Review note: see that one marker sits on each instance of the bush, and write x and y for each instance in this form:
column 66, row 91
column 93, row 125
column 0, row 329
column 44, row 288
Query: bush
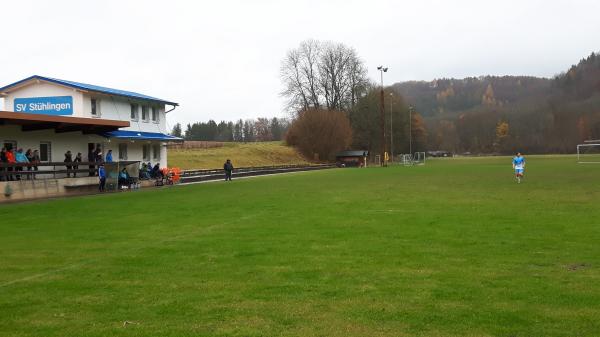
column 320, row 134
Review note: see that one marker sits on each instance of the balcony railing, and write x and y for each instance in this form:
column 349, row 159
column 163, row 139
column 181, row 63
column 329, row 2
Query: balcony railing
column 51, row 170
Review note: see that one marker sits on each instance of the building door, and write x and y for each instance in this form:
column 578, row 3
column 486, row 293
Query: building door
column 91, row 148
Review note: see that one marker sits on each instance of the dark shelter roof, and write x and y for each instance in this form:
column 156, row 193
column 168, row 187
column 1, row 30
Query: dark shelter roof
column 353, row 153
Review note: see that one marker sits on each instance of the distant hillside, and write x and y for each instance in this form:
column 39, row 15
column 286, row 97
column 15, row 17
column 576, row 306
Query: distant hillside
column 458, row 95
column 504, row 114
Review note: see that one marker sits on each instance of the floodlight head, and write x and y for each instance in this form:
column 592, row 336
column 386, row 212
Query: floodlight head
column 385, row 70
column 379, row 68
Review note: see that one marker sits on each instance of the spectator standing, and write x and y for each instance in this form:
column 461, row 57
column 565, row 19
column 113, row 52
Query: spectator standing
column 102, row 177
column 29, row 155
column 68, row 160
column 77, row 160
column 22, row 160
column 109, row 158
column 98, row 155
column 10, row 159
column 91, row 158
column 228, row 167
column 3, row 161
column 35, row 159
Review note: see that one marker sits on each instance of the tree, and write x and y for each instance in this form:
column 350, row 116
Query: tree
column 224, row 131
column 176, row 130
column 320, row 133
column 418, row 133
column 238, row 131
column 262, row 130
column 365, row 118
column 276, row 129
column 322, row 74
column 248, row 130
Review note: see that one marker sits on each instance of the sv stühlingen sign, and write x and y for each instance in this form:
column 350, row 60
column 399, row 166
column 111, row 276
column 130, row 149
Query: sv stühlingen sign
column 57, row 105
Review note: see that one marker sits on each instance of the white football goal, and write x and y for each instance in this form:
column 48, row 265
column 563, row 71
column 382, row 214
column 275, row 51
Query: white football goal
column 419, row 158
column 588, row 153
column 406, row 159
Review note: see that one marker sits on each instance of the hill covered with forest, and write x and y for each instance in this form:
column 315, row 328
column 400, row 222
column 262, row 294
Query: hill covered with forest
column 503, row 114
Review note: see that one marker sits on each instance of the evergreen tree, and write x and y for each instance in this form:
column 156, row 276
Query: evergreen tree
column 176, row 130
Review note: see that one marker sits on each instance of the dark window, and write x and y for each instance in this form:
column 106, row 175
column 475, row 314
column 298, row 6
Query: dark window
column 146, row 152
column 154, row 114
column 94, row 104
column 134, row 112
column 144, row 113
column 45, row 151
column 156, row 151
column 123, row 151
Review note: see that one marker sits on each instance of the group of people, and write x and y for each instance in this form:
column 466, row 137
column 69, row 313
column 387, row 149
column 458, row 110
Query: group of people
column 26, row 159
column 95, row 156
column 147, row 171
column 69, row 159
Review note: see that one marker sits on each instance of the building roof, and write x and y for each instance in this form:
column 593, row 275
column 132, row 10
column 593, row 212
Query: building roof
column 139, row 135
column 34, row 122
column 353, row 153
column 88, row 87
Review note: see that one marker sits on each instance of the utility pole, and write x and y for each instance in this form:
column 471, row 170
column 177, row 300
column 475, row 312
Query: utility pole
column 392, row 126
column 410, row 109
column 382, row 70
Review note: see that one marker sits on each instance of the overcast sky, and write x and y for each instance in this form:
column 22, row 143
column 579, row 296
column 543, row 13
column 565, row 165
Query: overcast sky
column 220, row 59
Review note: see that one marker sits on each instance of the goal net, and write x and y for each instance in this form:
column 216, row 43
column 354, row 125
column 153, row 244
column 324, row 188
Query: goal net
column 419, row 158
column 588, row 153
column 377, row 160
column 406, row 159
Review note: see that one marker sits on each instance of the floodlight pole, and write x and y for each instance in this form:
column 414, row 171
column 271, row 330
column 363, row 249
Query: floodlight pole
column 382, row 70
column 392, row 126
column 410, row 109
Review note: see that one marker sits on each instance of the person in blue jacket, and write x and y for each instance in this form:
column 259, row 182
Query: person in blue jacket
column 20, row 158
column 102, row 177
column 109, row 156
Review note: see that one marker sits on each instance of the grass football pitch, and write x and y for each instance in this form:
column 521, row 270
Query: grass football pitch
column 452, row 248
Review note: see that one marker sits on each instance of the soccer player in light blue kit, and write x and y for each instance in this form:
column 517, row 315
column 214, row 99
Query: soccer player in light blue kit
column 518, row 164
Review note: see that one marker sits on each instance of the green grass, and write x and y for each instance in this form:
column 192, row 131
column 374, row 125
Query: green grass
column 452, row 248
column 241, row 154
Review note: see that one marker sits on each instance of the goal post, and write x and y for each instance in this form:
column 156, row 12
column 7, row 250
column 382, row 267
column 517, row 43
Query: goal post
column 588, row 153
column 419, row 158
column 406, row 159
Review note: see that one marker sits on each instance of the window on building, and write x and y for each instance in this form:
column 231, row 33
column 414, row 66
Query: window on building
column 134, row 112
column 146, row 152
column 145, row 116
column 10, row 145
column 45, row 151
column 156, row 152
column 95, row 107
column 155, row 114
column 123, row 151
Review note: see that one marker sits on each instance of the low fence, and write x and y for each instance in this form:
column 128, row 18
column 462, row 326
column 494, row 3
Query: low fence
column 194, row 144
column 190, row 176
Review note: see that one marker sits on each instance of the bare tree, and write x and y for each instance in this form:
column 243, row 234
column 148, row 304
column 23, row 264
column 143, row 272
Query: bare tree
column 322, row 74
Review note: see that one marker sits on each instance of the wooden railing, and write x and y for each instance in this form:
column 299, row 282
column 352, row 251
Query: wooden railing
column 52, row 170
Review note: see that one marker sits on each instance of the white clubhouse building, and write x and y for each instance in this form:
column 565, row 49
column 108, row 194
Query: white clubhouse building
column 54, row 116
